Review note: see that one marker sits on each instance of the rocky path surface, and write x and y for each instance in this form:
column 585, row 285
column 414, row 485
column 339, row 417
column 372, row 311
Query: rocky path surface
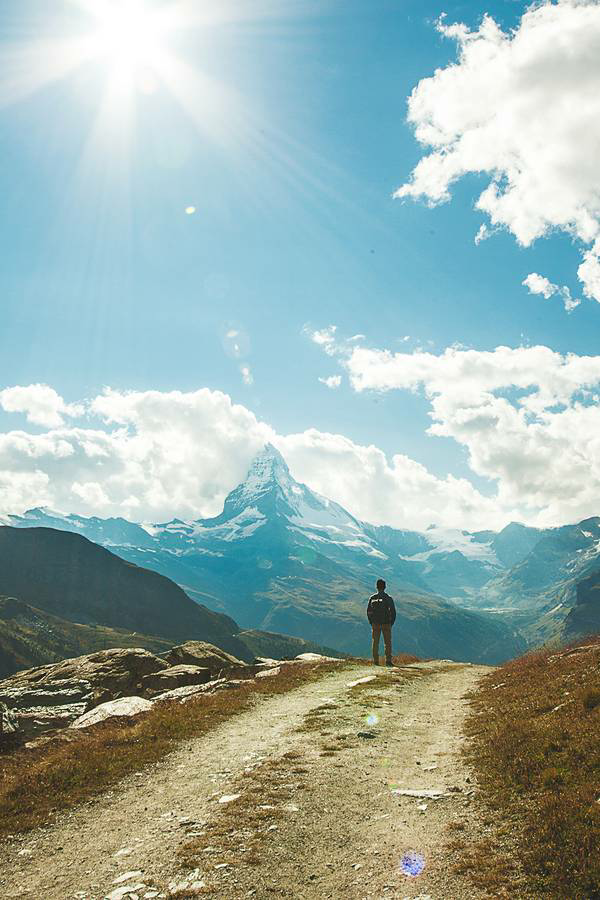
column 299, row 797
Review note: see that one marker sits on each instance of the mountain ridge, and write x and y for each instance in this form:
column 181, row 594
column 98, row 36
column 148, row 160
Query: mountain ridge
column 281, row 557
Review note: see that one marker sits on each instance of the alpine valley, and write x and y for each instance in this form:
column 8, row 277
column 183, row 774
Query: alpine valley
column 282, row 558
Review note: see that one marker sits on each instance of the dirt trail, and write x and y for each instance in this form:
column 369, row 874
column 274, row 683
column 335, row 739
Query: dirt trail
column 332, row 826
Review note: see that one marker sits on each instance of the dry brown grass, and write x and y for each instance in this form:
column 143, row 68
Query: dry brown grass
column 36, row 783
column 534, row 742
column 239, row 833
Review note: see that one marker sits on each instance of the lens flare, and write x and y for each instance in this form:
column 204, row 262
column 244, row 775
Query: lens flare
column 412, row 863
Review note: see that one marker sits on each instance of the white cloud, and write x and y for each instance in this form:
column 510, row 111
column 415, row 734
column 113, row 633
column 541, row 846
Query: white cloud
column 332, row 381
column 529, row 418
column 157, row 455
column 325, row 338
column 400, row 492
column 152, row 455
column 40, row 403
column 539, row 284
column 524, row 108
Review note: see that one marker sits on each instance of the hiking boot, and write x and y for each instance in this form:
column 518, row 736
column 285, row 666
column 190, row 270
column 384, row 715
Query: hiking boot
column 388, row 662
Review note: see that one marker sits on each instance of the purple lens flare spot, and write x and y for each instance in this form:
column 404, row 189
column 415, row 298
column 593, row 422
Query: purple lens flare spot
column 412, row 863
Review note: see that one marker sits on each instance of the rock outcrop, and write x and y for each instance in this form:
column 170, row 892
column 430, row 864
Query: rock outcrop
column 8, row 721
column 201, row 653
column 317, row 657
column 174, row 677
column 124, row 707
column 53, row 696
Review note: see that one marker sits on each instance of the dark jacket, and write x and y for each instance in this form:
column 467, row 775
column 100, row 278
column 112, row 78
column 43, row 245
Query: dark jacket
column 381, row 609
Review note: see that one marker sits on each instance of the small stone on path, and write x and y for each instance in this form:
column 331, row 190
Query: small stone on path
column 364, row 680
column 127, row 876
column 229, row 798
column 121, row 892
column 432, row 795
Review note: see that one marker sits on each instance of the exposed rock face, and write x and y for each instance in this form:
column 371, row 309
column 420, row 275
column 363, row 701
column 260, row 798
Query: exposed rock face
column 110, row 673
column 267, row 673
column 584, row 617
column 68, row 576
column 201, row 653
column 183, row 694
column 54, row 695
column 125, row 706
column 8, row 720
column 174, row 677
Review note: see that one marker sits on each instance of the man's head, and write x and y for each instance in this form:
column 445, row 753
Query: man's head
column 380, row 584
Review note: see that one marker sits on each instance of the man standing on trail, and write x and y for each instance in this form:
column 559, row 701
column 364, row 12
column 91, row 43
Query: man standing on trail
column 381, row 614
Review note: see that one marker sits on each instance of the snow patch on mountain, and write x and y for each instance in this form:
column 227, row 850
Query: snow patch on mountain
column 449, row 540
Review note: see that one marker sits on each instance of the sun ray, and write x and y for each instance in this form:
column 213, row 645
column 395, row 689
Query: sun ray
column 29, row 66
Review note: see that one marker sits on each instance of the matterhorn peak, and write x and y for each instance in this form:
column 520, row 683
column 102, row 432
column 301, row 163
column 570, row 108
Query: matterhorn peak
column 268, row 465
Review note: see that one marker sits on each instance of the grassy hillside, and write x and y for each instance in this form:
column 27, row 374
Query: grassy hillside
column 535, row 747
column 31, row 637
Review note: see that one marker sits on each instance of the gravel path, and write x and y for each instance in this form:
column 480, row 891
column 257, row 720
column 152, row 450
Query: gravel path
column 332, row 827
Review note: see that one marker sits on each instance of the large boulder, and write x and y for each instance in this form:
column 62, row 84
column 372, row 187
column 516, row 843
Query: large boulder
column 174, row 677
column 123, row 707
column 200, row 653
column 52, row 696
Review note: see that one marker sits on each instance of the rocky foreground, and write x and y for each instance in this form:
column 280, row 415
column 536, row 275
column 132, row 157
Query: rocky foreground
column 85, row 690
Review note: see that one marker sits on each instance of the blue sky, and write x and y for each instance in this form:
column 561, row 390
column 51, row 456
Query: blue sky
column 107, row 281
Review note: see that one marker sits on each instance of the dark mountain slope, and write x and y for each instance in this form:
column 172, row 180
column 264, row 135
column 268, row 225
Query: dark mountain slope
column 584, row 617
column 69, row 576
column 32, row 637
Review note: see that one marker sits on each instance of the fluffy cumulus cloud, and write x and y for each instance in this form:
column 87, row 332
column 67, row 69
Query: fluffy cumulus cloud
column 40, row 404
column 529, row 418
column 150, row 456
column 524, row 108
column 146, row 455
column 399, row 492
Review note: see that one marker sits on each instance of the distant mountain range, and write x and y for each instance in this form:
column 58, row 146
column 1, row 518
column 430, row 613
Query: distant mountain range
column 282, row 558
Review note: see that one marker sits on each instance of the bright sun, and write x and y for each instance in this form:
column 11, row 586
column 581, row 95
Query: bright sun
column 128, row 35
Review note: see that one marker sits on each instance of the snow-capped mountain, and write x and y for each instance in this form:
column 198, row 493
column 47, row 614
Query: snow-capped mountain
column 281, row 556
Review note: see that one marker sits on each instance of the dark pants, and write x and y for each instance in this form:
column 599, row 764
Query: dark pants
column 387, row 641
